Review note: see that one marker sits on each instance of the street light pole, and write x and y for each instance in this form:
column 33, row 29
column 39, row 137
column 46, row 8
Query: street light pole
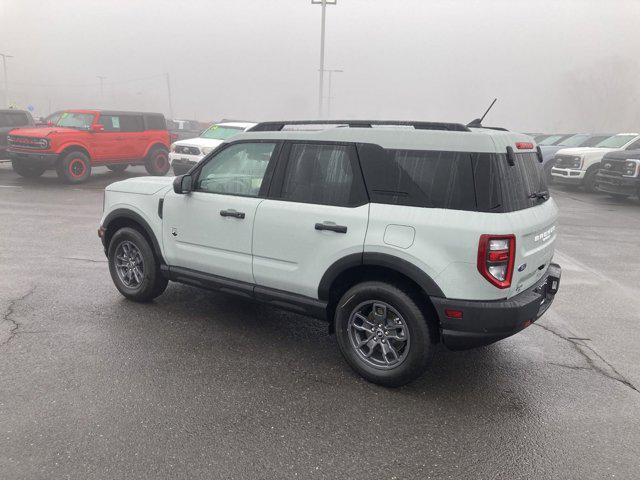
column 101, row 78
column 324, row 4
column 169, row 95
column 330, row 71
column 6, row 82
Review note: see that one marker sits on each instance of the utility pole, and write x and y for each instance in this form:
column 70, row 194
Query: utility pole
column 324, row 4
column 330, row 71
column 169, row 94
column 101, row 78
column 6, row 82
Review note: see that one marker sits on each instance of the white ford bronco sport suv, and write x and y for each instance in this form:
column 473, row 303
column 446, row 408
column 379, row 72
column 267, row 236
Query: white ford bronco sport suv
column 400, row 234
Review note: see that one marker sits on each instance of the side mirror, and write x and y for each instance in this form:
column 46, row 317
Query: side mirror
column 96, row 127
column 183, row 184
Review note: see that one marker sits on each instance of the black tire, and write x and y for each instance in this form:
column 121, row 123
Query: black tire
column 118, row 167
column 27, row 171
column 152, row 282
column 157, row 162
column 419, row 347
column 74, row 167
column 589, row 181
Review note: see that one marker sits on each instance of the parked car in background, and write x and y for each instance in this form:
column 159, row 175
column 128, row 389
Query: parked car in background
column 383, row 232
column 186, row 153
column 577, row 140
column 555, row 139
column 579, row 166
column 82, row 139
column 619, row 173
column 10, row 119
column 181, row 129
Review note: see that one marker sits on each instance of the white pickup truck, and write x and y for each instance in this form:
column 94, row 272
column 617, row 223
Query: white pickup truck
column 579, row 166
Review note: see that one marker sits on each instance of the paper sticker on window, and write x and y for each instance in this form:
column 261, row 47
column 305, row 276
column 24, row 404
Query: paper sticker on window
column 115, row 122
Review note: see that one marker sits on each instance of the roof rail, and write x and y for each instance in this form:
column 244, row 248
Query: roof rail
column 277, row 126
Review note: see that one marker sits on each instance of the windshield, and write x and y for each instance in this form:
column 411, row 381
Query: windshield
column 217, row 132
column 594, row 140
column 550, row 140
column 75, row 120
column 617, row 141
column 574, row 141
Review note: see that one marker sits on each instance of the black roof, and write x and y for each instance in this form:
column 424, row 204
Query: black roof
column 276, row 126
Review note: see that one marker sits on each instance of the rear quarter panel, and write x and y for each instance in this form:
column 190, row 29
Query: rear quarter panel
column 445, row 244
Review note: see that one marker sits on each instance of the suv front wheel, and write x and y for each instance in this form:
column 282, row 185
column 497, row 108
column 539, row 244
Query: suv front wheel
column 133, row 266
column 383, row 334
column 74, row 167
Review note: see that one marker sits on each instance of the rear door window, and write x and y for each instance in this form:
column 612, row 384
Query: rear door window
column 111, row 123
column 323, row 174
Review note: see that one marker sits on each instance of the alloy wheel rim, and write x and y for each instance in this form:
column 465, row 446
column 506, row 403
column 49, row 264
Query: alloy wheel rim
column 161, row 161
column 379, row 335
column 129, row 264
column 76, row 168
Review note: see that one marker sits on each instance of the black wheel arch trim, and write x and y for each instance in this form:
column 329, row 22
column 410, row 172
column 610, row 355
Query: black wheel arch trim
column 377, row 259
column 137, row 218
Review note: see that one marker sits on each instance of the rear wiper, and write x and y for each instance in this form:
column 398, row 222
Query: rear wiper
column 541, row 195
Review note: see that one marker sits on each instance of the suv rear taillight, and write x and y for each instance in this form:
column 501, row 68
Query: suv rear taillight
column 496, row 255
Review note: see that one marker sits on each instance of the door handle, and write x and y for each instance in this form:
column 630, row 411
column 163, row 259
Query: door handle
column 231, row 213
column 332, row 227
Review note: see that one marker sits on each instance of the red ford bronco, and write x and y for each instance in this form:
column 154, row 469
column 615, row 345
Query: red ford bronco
column 81, row 139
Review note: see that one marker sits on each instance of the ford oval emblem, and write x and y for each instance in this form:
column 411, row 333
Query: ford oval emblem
column 522, row 267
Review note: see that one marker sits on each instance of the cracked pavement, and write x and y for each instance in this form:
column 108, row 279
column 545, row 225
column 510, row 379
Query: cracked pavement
column 202, row 385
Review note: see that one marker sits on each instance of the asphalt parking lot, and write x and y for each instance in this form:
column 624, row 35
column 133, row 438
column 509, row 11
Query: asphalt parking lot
column 202, row 385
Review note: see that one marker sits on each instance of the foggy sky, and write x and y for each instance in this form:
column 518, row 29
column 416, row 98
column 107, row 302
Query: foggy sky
column 555, row 65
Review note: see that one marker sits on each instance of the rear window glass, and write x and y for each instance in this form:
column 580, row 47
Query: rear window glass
column 421, row 178
column 507, row 188
column 454, row 180
column 156, row 122
column 131, row 123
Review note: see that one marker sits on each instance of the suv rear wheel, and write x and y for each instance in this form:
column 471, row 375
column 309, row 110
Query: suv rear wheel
column 74, row 167
column 157, row 162
column 383, row 334
column 27, row 171
column 133, row 266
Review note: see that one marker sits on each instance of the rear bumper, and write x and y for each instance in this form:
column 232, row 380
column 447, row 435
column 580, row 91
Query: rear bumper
column 568, row 176
column 617, row 184
column 33, row 158
column 484, row 323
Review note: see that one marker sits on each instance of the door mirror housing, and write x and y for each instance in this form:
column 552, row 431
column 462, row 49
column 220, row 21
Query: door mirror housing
column 183, row 184
column 96, row 127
